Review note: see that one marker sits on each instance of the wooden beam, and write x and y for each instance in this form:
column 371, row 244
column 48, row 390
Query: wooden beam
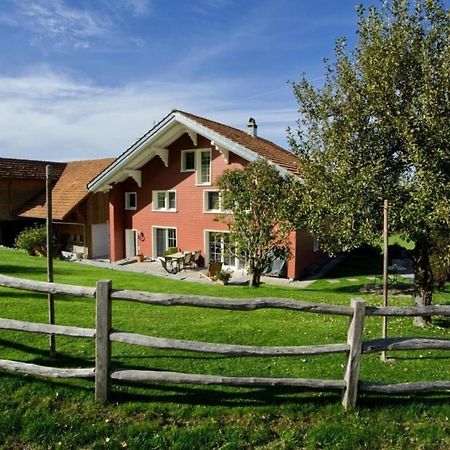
column 51, row 298
column 225, row 349
column 102, row 342
column 50, row 372
column 355, row 340
column 43, row 328
column 186, row 378
column 228, row 303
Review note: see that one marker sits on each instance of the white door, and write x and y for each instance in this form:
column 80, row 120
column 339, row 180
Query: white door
column 100, row 240
column 130, row 243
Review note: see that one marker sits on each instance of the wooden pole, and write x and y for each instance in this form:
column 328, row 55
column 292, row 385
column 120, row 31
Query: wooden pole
column 355, row 340
column 51, row 298
column 102, row 340
column 385, row 273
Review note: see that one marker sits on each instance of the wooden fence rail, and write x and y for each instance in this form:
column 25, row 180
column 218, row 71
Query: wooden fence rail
column 104, row 335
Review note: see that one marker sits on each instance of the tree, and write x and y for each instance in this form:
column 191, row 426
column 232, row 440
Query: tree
column 260, row 203
column 379, row 128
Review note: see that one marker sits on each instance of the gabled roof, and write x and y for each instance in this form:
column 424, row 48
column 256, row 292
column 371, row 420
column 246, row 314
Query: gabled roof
column 176, row 124
column 27, row 169
column 264, row 148
column 69, row 190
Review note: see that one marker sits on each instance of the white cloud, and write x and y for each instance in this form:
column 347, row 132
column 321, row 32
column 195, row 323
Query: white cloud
column 51, row 116
column 57, row 24
column 138, row 7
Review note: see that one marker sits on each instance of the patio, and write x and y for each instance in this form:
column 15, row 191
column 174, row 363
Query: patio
column 239, row 277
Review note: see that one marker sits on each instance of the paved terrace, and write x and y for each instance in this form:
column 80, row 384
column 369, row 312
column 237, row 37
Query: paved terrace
column 239, row 277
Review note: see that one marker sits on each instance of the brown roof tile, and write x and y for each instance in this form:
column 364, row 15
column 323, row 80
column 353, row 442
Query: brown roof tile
column 28, row 169
column 262, row 147
column 68, row 191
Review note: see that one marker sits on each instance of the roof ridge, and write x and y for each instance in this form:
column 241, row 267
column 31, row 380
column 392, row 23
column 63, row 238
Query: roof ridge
column 90, row 160
column 233, row 128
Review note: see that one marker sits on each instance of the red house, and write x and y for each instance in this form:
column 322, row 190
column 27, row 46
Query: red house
column 162, row 189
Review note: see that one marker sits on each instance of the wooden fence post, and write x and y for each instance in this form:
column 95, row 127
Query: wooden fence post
column 355, row 340
column 102, row 341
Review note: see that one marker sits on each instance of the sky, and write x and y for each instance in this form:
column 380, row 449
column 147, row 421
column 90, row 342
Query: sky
column 82, row 79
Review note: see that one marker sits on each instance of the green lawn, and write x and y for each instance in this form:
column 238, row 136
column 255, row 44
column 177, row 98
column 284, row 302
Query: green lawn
column 38, row 413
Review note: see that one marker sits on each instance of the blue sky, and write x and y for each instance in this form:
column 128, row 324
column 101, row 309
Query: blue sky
column 84, row 78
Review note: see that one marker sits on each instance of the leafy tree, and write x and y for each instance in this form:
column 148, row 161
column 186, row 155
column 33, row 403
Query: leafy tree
column 262, row 203
column 379, row 128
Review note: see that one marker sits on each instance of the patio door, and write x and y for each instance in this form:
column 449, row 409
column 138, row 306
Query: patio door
column 220, row 249
column 163, row 238
column 130, row 243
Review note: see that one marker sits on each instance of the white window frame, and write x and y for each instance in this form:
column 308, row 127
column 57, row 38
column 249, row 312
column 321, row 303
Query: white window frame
column 154, row 243
column 198, row 166
column 238, row 264
column 205, row 202
column 166, row 201
column 183, row 160
column 127, row 201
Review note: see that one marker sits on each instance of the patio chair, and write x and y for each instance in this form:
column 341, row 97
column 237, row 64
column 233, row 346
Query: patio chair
column 214, row 270
column 193, row 261
column 187, row 260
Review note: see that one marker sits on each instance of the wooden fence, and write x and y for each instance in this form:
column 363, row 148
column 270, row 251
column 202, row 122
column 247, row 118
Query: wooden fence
column 103, row 334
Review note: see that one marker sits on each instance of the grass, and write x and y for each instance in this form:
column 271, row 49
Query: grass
column 38, row 413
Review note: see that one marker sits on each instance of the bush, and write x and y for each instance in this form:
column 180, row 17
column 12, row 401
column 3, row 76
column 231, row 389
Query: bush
column 33, row 240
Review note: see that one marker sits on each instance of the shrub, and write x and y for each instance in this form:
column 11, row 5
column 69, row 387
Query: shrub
column 33, row 240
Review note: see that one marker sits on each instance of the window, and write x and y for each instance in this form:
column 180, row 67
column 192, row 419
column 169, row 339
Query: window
column 163, row 239
column 130, row 200
column 220, row 249
column 212, row 201
column 164, row 201
column 198, row 161
column 204, row 167
column 171, row 237
column 188, row 160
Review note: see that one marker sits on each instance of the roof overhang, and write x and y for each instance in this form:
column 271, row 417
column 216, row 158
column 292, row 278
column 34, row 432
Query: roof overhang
column 155, row 143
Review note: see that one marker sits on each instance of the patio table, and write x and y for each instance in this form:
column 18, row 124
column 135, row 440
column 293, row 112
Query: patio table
column 173, row 262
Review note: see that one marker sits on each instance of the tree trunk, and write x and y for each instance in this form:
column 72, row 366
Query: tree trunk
column 423, row 280
column 255, row 278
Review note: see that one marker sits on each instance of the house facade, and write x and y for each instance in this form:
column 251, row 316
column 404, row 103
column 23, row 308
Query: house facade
column 80, row 218
column 162, row 190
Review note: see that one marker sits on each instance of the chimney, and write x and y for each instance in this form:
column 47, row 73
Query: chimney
column 252, row 127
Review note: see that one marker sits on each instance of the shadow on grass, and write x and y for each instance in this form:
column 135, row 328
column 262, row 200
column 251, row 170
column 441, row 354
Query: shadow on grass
column 61, row 360
column 377, row 401
column 21, row 271
column 15, row 294
column 233, row 397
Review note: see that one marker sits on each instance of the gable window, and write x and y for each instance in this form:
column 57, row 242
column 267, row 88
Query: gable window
column 203, row 166
column 164, row 201
column 188, row 160
column 212, row 201
column 130, row 200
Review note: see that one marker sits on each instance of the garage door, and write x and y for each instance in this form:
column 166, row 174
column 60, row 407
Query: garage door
column 100, row 240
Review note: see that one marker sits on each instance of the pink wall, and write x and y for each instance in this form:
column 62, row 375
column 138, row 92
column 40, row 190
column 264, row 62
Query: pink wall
column 189, row 220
